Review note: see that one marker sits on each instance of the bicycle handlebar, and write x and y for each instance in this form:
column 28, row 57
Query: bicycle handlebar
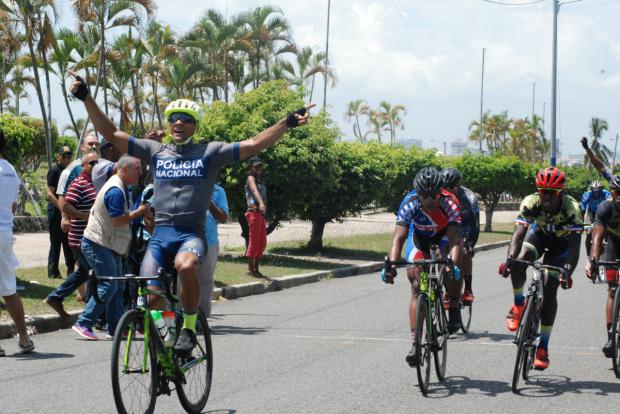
column 164, row 277
column 401, row 262
column 540, row 266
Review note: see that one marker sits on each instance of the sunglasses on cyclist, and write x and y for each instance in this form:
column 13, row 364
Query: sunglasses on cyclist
column 430, row 196
column 180, row 116
column 551, row 191
column 92, row 163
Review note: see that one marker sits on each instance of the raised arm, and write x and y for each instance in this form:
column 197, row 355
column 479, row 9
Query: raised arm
column 101, row 122
column 270, row 136
column 596, row 163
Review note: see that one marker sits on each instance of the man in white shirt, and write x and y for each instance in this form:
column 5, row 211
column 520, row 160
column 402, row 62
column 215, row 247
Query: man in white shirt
column 9, row 182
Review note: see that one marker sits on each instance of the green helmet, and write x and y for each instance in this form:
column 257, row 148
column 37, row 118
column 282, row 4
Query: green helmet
column 185, row 106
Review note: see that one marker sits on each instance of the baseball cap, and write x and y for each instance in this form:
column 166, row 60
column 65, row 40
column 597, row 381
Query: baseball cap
column 254, row 161
column 65, row 150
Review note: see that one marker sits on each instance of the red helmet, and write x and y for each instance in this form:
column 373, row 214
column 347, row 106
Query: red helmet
column 551, row 178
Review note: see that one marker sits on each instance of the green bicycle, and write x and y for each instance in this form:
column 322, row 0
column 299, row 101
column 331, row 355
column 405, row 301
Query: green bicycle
column 144, row 365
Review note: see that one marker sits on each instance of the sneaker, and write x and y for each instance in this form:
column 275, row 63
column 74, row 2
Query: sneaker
column 109, row 337
column 514, row 317
column 454, row 320
column 468, row 296
column 84, row 332
column 608, row 349
column 2, row 353
column 57, row 305
column 26, row 349
column 446, row 301
column 412, row 357
column 541, row 362
column 186, row 342
column 99, row 327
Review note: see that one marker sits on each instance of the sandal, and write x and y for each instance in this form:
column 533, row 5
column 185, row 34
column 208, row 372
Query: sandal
column 25, row 349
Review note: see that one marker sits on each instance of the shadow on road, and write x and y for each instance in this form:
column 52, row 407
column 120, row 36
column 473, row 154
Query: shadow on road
column 465, row 385
column 482, row 335
column 225, row 411
column 236, row 330
column 554, row 385
column 40, row 356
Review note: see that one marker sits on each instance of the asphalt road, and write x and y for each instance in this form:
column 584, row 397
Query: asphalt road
column 338, row 347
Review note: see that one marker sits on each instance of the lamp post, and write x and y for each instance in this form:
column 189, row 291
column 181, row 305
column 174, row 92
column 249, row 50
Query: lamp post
column 329, row 3
column 481, row 101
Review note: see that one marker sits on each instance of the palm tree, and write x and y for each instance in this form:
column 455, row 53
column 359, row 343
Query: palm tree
column 393, row 117
column 269, row 33
column 475, row 130
column 108, row 15
column 597, row 127
column 159, row 45
column 378, row 121
column 61, row 57
column 19, row 81
column 177, row 75
column 354, row 111
column 309, row 64
column 24, row 13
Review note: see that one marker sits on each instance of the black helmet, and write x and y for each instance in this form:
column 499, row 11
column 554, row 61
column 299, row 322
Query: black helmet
column 614, row 184
column 451, row 177
column 428, row 181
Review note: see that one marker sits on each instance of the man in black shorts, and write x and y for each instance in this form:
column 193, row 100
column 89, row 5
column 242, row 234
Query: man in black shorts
column 607, row 221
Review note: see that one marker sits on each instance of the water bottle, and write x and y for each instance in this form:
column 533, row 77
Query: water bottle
column 160, row 324
column 424, row 282
column 169, row 319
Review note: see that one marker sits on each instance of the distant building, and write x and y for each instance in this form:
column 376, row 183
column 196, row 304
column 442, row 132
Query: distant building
column 409, row 142
column 458, row 147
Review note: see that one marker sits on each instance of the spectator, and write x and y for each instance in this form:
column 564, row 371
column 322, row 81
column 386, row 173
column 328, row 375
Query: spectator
column 218, row 213
column 79, row 199
column 106, row 166
column 58, row 238
column 256, row 196
column 106, row 240
column 9, row 182
column 89, row 144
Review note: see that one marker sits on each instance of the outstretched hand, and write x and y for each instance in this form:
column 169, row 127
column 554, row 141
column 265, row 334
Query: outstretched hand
column 78, row 87
column 299, row 117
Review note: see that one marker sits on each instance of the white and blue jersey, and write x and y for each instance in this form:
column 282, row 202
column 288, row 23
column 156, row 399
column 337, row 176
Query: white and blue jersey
column 591, row 200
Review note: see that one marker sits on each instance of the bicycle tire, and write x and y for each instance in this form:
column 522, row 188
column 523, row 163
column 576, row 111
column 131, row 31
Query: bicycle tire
column 615, row 331
column 440, row 340
column 423, row 343
column 466, row 308
column 194, row 391
column 528, row 360
column 126, row 340
column 523, row 334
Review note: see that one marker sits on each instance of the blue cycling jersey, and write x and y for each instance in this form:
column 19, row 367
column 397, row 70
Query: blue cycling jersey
column 592, row 199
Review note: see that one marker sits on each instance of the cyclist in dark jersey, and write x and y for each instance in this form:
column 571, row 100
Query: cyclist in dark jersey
column 184, row 176
column 470, row 224
column 607, row 223
column 435, row 220
column 590, row 201
column 548, row 223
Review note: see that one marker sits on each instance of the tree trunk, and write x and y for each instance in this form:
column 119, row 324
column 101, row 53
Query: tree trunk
column 316, row 235
column 37, row 82
column 137, row 104
column 156, row 99
column 488, row 212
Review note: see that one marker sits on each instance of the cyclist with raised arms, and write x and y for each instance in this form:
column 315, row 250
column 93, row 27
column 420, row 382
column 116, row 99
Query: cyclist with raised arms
column 590, row 201
column 435, row 220
column 470, row 224
column 184, row 176
column 548, row 223
column 596, row 163
column 607, row 222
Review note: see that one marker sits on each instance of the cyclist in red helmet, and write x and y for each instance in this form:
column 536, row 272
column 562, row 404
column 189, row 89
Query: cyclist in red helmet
column 549, row 223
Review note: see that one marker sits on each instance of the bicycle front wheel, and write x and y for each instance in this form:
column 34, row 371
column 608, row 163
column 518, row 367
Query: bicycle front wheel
column 466, row 310
column 423, row 347
column 523, row 333
column 134, row 366
column 197, row 369
column 615, row 331
column 440, row 340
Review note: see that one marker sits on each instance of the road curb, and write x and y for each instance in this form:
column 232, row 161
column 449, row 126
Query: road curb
column 50, row 322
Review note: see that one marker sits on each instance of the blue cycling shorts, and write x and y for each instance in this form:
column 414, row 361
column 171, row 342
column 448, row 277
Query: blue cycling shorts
column 165, row 243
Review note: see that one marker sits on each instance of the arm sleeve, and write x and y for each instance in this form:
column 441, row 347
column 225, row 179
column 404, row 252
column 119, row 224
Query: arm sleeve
column 73, row 195
column 62, row 181
column 75, row 172
column 584, row 201
column 404, row 214
column 451, row 209
column 225, row 154
column 143, row 148
column 114, row 201
column 525, row 218
column 603, row 214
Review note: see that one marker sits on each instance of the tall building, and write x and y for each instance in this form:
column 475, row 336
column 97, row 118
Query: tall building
column 458, row 147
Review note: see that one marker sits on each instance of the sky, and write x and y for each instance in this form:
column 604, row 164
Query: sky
column 427, row 55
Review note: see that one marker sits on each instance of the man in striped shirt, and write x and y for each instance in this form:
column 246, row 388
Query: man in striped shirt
column 79, row 199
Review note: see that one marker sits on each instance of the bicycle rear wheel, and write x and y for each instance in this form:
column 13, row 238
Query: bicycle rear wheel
column 523, row 333
column 134, row 367
column 466, row 310
column 423, row 345
column 440, row 339
column 198, row 369
column 615, row 330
